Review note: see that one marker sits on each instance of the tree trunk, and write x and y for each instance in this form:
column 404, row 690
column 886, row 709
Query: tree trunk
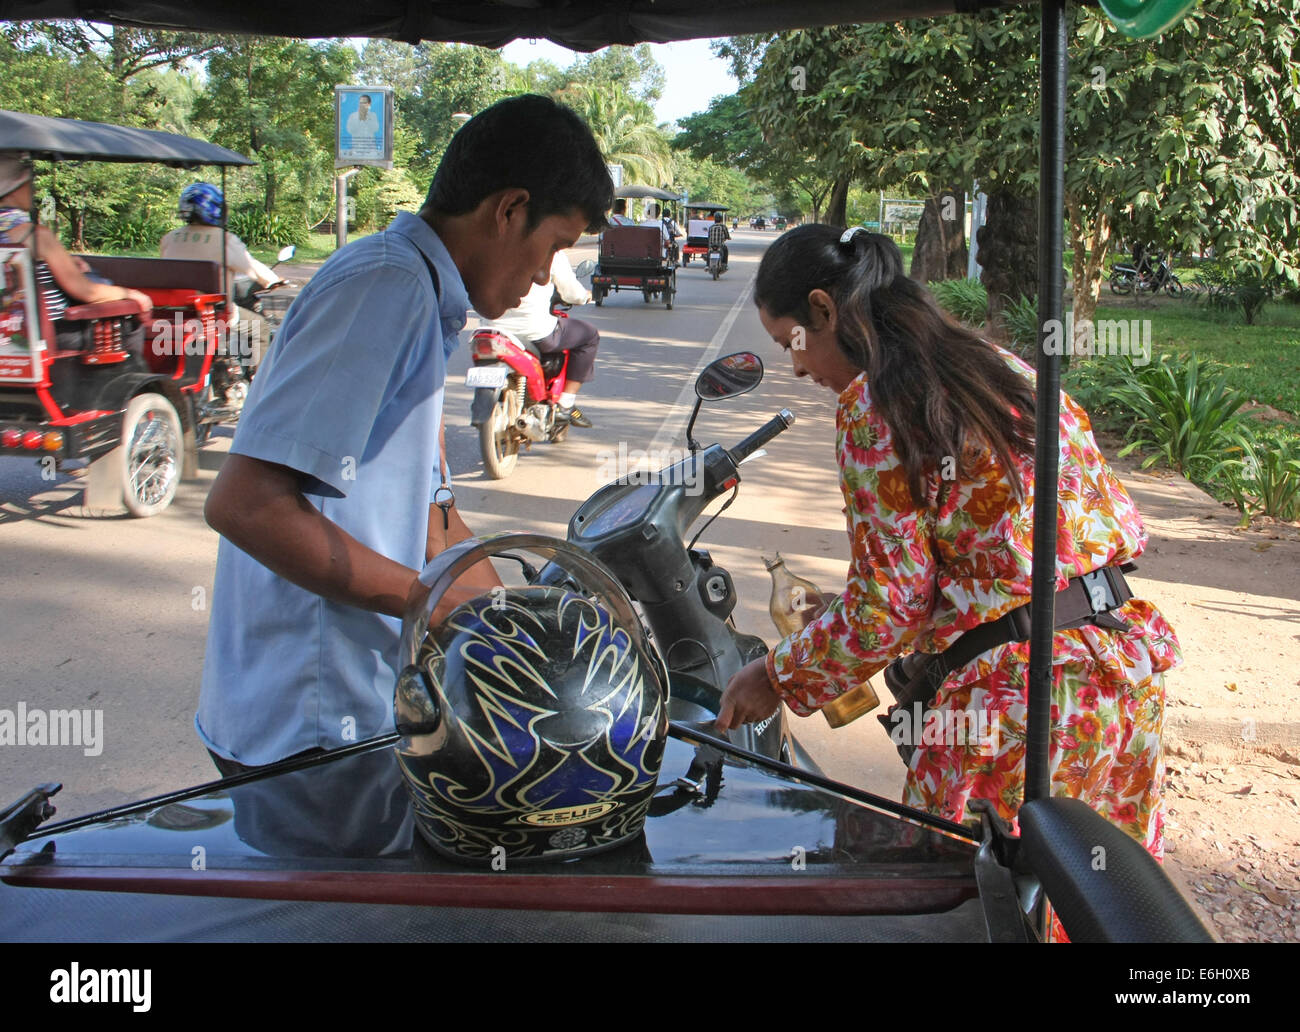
column 837, row 205
column 1008, row 250
column 940, row 251
column 1091, row 244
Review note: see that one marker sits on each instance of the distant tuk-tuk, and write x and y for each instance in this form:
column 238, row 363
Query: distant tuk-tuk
column 637, row 257
column 699, row 217
column 137, row 415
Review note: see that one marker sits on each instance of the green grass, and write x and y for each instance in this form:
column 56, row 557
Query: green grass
column 1262, row 360
column 318, row 247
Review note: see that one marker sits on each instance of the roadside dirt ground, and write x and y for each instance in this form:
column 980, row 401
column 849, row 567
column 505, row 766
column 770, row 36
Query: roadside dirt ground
column 1232, row 726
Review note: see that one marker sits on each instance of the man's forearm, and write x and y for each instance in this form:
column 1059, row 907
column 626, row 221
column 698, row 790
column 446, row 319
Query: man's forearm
column 257, row 507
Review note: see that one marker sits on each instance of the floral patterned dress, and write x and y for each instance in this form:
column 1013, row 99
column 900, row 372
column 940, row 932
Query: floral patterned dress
column 920, row 577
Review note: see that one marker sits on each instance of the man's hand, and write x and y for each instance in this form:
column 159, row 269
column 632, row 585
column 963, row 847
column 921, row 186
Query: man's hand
column 749, row 697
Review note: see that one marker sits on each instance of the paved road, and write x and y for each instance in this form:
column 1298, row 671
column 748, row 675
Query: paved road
column 111, row 613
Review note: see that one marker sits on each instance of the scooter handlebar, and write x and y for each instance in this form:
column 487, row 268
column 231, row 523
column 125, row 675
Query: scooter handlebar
column 779, row 423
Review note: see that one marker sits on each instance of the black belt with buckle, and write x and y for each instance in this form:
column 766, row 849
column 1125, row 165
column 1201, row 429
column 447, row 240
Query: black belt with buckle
column 1086, row 599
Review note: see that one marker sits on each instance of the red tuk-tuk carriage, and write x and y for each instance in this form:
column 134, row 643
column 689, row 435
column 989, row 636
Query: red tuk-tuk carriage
column 137, row 415
column 324, row 832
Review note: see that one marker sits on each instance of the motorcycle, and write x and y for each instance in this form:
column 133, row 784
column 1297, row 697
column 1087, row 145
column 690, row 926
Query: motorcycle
column 271, row 303
column 516, row 392
column 1125, row 278
column 715, row 262
column 232, row 374
column 637, row 527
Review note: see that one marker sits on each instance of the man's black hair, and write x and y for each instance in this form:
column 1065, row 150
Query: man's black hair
column 529, row 143
column 366, row 98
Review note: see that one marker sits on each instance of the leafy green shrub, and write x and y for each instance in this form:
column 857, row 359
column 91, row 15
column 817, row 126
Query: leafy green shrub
column 1020, row 318
column 130, row 231
column 1262, row 474
column 254, row 226
column 965, row 300
column 1187, row 420
column 1230, row 287
column 1093, row 385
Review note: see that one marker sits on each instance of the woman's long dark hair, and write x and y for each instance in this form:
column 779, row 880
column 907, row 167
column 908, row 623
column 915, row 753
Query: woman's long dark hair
column 938, row 386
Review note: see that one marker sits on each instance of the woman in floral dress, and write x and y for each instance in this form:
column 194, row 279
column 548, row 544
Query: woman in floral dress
column 935, row 446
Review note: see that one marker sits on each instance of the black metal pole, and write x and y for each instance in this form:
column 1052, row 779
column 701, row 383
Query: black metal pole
column 270, row 770
column 1053, row 70
column 225, row 285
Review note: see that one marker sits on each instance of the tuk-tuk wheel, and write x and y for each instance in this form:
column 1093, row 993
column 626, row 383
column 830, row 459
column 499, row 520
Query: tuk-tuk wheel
column 151, row 454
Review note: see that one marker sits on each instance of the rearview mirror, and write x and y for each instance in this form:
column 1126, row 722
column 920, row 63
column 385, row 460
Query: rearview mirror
column 730, row 377
column 286, row 253
column 585, row 269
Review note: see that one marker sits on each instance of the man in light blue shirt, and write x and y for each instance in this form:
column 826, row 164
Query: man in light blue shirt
column 325, row 502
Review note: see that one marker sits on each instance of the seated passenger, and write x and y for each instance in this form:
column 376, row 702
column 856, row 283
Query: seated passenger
column 666, row 226
column 60, row 277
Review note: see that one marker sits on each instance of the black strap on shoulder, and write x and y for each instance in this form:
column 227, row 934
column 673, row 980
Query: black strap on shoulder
column 433, row 275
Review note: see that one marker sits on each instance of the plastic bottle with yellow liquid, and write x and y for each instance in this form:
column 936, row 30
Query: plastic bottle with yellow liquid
column 791, row 597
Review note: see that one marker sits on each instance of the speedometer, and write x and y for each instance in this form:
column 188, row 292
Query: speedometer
column 625, row 509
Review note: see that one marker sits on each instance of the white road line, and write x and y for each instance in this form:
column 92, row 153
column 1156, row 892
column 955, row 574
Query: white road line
column 671, row 432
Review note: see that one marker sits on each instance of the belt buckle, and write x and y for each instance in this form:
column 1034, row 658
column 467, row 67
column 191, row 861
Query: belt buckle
column 1100, row 589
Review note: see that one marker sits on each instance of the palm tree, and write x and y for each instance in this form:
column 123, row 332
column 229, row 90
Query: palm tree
column 625, row 129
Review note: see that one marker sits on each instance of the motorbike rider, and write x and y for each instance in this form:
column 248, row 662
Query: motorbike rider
column 718, row 237
column 202, row 206
column 533, row 321
column 936, row 453
column 336, row 490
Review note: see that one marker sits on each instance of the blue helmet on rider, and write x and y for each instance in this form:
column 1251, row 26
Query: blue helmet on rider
column 202, row 202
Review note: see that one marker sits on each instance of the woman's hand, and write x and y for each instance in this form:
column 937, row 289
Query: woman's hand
column 749, row 697
column 143, row 300
column 813, row 610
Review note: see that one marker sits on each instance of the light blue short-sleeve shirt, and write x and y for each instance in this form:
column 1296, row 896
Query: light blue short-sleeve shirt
column 351, row 396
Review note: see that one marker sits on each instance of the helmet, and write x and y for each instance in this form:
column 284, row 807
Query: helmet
column 204, row 202
column 534, row 719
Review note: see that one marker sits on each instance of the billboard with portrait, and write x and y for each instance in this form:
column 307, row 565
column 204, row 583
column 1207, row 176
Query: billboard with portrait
column 363, row 126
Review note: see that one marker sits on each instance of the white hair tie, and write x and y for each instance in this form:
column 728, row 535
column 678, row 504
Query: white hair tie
column 846, row 239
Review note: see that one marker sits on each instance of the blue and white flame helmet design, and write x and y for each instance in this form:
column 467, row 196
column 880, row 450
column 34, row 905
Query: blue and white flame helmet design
column 535, row 718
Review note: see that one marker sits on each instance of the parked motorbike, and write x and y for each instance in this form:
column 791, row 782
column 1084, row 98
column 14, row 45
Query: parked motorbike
column 1125, row 278
column 516, row 392
column 637, row 526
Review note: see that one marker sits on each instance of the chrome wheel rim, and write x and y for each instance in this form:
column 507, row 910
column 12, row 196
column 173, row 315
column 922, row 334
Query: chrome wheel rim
column 151, row 467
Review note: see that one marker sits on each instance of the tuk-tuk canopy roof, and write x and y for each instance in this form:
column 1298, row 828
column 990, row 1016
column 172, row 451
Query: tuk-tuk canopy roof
column 65, row 139
column 577, row 24
column 637, row 190
column 703, row 206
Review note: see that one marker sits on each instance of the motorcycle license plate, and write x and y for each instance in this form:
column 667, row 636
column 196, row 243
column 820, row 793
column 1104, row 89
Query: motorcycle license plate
column 486, row 376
